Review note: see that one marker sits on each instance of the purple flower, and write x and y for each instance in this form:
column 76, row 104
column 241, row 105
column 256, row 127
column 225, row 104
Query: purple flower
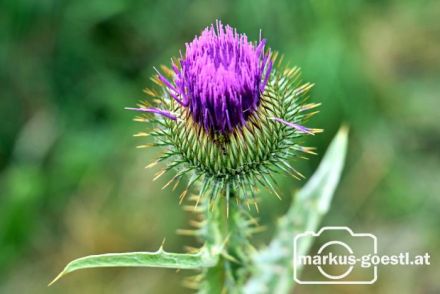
column 220, row 78
column 225, row 116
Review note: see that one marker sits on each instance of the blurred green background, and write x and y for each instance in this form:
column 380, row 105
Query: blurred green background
column 72, row 182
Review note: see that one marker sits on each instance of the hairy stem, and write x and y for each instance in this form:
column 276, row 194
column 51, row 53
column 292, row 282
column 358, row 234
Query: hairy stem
column 231, row 233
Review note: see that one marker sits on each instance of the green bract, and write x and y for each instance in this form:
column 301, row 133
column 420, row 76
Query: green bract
column 247, row 156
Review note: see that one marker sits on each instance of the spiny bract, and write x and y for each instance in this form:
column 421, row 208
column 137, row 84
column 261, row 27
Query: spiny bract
column 228, row 114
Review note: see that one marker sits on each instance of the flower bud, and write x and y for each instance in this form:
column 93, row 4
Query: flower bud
column 229, row 114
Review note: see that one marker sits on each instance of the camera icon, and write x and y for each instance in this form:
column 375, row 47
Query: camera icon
column 343, row 257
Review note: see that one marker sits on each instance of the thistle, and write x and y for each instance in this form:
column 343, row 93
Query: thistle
column 229, row 115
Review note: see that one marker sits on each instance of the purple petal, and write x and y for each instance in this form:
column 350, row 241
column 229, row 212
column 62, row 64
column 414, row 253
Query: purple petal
column 268, row 71
column 171, row 89
column 164, row 113
column 297, row 127
column 221, row 72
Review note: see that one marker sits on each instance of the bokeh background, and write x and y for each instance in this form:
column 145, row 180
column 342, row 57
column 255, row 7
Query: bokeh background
column 72, row 182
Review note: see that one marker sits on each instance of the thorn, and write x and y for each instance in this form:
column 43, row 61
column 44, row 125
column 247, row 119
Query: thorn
column 176, row 184
column 257, row 230
column 168, row 183
column 308, row 150
column 141, row 134
column 140, row 119
column 295, row 176
column 152, row 164
column 197, row 202
column 166, row 70
column 186, row 232
column 191, row 208
column 223, row 245
column 56, row 278
column 309, row 106
column 302, row 89
column 310, row 114
column 229, row 257
column 161, row 245
column 194, row 197
column 158, row 175
column 300, row 174
column 316, row 131
column 182, row 196
column 150, row 92
column 144, row 146
column 196, row 224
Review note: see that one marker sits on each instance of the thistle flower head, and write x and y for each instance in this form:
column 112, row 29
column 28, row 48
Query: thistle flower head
column 220, row 78
column 229, row 114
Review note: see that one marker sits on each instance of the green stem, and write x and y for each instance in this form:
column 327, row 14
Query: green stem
column 231, row 234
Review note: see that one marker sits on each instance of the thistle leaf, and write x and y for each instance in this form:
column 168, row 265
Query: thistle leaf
column 160, row 259
column 273, row 272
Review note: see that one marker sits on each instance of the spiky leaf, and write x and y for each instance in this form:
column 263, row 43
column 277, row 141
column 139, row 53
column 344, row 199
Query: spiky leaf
column 160, row 258
column 273, row 271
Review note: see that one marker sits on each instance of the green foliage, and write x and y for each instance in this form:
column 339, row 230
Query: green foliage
column 160, row 259
column 228, row 262
column 310, row 204
column 67, row 69
column 231, row 234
